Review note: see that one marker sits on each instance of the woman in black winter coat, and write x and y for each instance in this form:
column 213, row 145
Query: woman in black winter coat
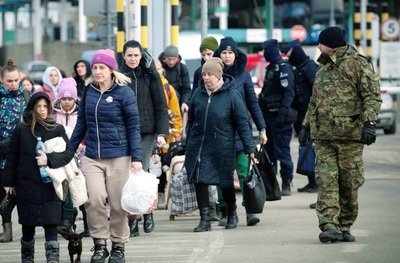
column 216, row 112
column 235, row 62
column 37, row 202
column 153, row 110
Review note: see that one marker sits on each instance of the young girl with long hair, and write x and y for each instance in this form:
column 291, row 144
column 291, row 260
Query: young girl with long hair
column 37, row 202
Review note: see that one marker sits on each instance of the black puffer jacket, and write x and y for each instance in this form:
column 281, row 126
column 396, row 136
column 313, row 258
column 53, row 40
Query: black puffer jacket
column 152, row 105
column 212, row 124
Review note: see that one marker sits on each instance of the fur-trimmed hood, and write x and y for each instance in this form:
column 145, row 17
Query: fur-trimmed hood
column 238, row 66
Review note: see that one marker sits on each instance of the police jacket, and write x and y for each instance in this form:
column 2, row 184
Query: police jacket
column 304, row 76
column 278, row 91
column 151, row 104
column 109, row 122
column 345, row 95
column 212, row 124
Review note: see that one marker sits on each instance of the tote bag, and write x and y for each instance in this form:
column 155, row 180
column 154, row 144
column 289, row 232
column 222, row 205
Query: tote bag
column 268, row 175
column 306, row 161
column 254, row 191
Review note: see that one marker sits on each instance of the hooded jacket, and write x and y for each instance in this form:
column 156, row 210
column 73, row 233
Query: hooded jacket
column 80, row 83
column 37, row 202
column 63, row 117
column 150, row 102
column 182, row 86
column 48, row 88
column 109, row 122
column 212, row 123
column 245, row 86
column 345, row 95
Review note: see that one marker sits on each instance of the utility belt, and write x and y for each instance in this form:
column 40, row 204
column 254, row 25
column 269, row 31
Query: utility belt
column 270, row 103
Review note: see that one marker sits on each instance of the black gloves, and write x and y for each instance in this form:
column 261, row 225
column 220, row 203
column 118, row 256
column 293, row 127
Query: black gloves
column 279, row 121
column 368, row 135
column 303, row 136
column 147, row 63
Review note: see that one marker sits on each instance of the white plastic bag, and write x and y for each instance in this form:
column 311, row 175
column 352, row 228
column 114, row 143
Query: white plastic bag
column 155, row 168
column 140, row 193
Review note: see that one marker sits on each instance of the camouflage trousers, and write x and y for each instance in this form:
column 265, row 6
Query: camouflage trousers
column 339, row 174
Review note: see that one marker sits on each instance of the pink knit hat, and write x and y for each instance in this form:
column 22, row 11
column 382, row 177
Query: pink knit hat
column 105, row 56
column 67, row 89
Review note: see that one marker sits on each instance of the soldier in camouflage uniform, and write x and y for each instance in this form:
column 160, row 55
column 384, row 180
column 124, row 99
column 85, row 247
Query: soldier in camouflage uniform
column 341, row 118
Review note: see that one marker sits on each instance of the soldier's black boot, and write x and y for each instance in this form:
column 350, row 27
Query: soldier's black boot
column 52, row 251
column 117, row 253
column 347, row 237
column 232, row 216
column 27, row 251
column 100, row 251
column 330, row 235
column 286, row 191
column 205, row 223
column 223, row 216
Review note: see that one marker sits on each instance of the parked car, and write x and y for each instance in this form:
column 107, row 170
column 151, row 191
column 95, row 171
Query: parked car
column 387, row 115
column 35, row 70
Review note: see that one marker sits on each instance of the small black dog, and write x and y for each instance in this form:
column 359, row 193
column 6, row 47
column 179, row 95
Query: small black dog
column 74, row 245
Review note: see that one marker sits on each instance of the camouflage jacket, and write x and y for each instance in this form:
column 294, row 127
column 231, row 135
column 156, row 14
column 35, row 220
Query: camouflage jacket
column 345, row 95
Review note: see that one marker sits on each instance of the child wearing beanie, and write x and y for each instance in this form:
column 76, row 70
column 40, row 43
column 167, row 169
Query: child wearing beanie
column 207, row 48
column 65, row 107
column 65, row 112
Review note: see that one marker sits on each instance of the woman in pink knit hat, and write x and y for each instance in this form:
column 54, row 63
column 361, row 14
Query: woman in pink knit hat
column 108, row 120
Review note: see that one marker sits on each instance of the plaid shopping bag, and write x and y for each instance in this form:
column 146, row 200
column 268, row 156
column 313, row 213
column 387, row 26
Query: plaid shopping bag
column 183, row 194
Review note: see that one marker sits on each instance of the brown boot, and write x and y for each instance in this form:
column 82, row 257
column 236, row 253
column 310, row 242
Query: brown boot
column 7, row 235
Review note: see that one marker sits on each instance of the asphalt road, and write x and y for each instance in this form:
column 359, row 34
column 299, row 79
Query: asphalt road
column 288, row 231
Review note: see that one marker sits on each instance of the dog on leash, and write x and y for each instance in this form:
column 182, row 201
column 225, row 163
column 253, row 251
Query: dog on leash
column 74, row 245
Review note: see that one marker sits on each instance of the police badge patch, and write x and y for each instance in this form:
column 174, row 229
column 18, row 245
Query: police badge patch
column 284, row 83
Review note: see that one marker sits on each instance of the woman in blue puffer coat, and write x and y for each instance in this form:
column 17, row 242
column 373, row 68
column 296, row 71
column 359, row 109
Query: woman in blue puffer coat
column 108, row 119
column 216, row 112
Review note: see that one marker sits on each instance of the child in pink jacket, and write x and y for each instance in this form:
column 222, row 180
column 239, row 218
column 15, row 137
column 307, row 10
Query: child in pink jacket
column 66, row 107
column 65, row 112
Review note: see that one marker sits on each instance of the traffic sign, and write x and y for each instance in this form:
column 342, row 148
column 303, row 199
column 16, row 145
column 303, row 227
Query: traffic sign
column 390, row 28
column 298, row 32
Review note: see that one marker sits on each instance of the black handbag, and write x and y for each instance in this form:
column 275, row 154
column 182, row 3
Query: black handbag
column 253, row 191
column 7, row 205
column 268, row 175
column 306, row 161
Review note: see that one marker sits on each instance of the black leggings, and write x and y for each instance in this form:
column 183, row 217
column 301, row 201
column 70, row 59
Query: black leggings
column 202, row 195
column 28, row 232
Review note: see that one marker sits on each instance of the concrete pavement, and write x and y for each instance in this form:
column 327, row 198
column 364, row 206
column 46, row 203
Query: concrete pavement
column 288, row 231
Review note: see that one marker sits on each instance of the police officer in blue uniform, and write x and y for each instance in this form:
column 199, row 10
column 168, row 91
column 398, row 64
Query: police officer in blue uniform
column 275, row 100
column 304, row 76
